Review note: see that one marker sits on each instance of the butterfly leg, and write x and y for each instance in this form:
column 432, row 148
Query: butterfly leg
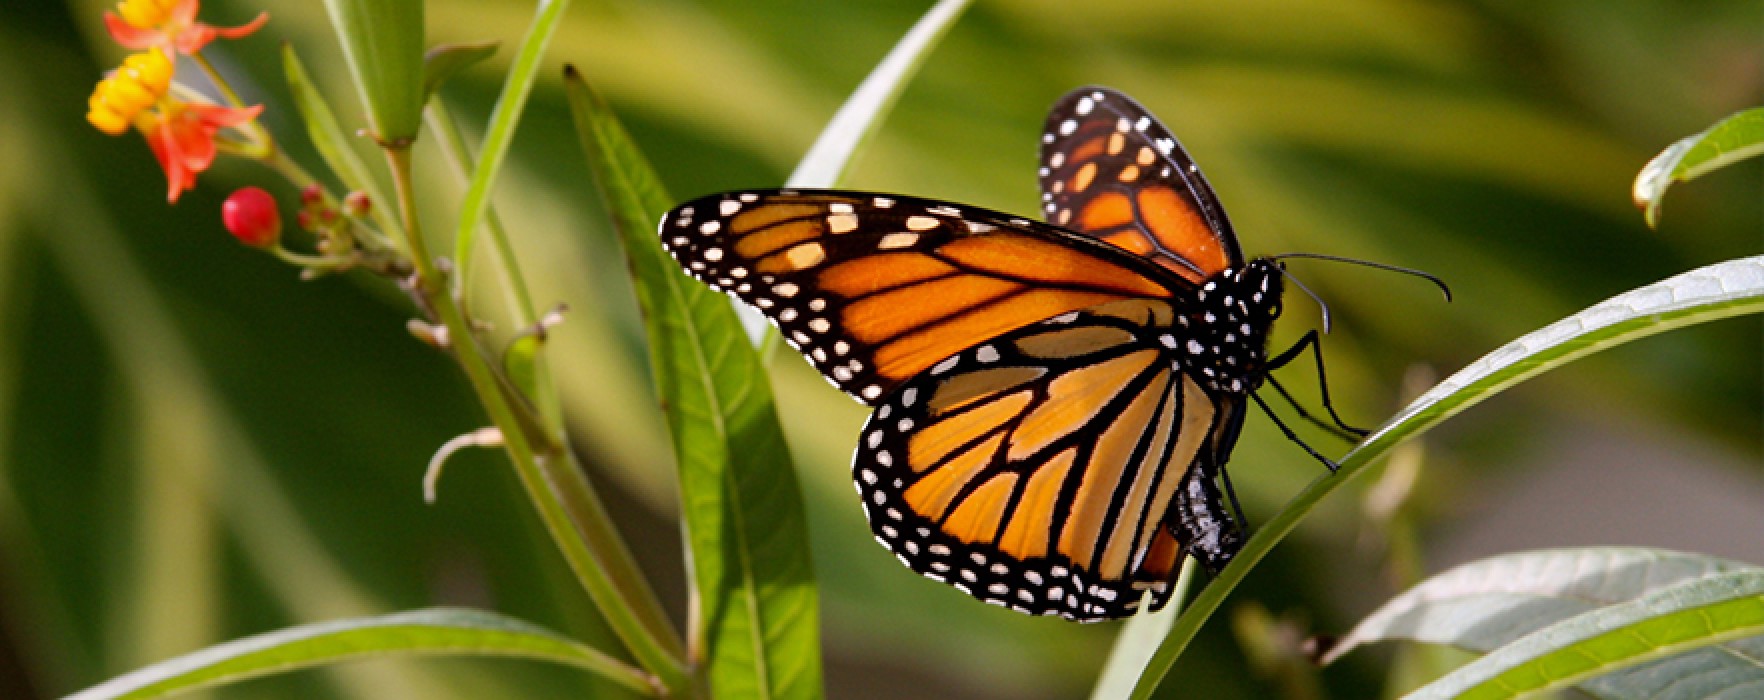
column 1335, row 430
column 1311, row 340
column 1293, row 436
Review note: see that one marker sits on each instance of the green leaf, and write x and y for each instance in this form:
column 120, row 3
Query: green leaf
column 520, row 361
column 1689, row 615
column 332, row 142
column 1485, row 604
column 827, row 160
column 1139, row 638
column 441, row 63
column 383, row 43
column 432, row 632
column 504, row 117
column 1718, row 291
column 748, row 544
column 535, row 384
column 1735, row 138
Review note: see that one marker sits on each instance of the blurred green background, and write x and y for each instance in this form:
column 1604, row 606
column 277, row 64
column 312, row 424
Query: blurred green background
column 195, row 445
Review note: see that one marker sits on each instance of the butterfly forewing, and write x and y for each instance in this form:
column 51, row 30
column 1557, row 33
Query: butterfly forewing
column 1110, row 170
column 1036, row 470
column 1054, row 402
column 874, row 289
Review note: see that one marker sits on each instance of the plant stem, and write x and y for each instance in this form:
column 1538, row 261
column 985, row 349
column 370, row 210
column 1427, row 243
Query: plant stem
column 255, row 130
column 566, row 502
column 459, row 155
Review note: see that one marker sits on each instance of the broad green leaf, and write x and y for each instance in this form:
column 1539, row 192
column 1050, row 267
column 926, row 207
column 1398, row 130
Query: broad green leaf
column 332, row 142
column 441, row 63
column 432, row 632
column 1692, row 675
column 383, row 44
column 1485, row 604
column 1735, row 138
column 1718, row 291
column 1686, row 616
column 504, row 117
column 747, row 542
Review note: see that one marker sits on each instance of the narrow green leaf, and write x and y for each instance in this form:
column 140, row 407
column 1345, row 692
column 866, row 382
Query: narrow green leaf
column 383, row 43
column 1735, row 138
column 1718, row 291
column 441, row 63
column 536, row 385
column 432, row 632
column 503, row 120
column 332, row 143
column 748, row 545
column 827, row 160
column 1678, row 618
column 1139, row 638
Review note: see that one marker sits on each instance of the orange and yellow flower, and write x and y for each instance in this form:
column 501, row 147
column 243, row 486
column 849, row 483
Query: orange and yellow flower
column 141, row 82
column 139, row 24
column 181, row 135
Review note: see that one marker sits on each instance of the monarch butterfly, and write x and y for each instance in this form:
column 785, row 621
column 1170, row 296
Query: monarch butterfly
column 1053, row 402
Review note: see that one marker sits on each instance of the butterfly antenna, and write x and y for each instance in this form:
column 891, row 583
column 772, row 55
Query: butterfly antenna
column 1313, row 295
column 1437, row 282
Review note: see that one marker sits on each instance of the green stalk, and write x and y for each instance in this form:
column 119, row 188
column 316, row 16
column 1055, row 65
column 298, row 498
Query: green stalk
column 458, row 154
column 554, row 481
column 254, row 129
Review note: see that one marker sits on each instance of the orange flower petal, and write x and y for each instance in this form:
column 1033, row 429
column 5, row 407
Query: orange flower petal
column 130, row 36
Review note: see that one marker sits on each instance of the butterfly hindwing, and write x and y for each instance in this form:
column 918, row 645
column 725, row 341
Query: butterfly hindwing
column 1110, row 170
column 874, row 289
column 1036, row 470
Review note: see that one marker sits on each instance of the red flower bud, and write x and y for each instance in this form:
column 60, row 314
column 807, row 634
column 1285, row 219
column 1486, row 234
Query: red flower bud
column 310, row 195
column 356, row 204
column 250, row 214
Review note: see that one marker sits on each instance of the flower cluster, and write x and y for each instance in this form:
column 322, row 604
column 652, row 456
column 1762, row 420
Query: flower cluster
column 181, row 132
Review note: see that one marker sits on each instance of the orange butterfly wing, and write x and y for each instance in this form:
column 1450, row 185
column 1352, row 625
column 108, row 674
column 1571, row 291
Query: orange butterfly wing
column 875, row 289
column 1036, row 470
column 1110, row 170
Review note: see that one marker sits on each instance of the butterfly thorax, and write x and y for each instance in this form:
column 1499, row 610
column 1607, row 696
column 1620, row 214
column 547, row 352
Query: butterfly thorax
column 1224, row 345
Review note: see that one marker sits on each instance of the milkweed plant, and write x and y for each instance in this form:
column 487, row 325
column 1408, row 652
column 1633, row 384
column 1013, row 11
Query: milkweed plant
column 1613, row 622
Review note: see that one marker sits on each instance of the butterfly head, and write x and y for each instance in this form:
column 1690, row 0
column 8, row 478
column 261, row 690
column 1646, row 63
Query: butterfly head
column 1228, row 345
